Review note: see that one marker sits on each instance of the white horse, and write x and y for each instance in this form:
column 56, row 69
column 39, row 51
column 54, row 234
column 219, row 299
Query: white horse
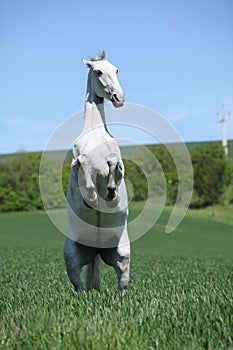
column 96, row 197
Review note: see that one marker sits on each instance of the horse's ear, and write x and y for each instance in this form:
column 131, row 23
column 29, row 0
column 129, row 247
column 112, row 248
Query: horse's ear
column 88, row 63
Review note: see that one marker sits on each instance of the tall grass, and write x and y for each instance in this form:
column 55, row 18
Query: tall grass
column 179, row 296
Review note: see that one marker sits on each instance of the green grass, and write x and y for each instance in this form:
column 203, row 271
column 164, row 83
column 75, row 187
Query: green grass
column 179, row 296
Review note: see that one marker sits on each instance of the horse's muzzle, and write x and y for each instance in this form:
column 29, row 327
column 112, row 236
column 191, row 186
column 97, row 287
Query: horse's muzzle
column 118, row 100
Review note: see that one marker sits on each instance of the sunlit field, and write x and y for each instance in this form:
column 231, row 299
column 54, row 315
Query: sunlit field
column 179, row 296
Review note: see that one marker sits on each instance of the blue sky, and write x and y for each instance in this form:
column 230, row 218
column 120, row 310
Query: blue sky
column 174, row 57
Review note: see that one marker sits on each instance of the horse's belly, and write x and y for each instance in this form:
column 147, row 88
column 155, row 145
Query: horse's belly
column 96, row 229
column 99, row 227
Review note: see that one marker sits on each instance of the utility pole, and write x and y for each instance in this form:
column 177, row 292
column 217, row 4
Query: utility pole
column 224, row 129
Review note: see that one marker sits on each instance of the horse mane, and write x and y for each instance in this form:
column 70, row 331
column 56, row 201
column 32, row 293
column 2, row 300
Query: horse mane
column 100, row 57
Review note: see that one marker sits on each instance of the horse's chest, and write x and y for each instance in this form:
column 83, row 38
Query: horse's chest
column 96, row 145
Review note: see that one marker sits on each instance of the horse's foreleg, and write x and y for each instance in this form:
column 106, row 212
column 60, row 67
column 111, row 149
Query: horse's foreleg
column 73, row 264
column 91, row 199
column 112, row 198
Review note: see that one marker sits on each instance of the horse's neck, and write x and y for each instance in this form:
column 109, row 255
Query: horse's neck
column 94, row 109
column 94, row 116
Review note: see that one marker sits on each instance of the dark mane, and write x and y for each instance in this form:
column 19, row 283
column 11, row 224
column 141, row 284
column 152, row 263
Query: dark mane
column 100, row 57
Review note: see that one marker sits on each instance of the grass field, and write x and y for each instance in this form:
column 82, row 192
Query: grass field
column 179, row 296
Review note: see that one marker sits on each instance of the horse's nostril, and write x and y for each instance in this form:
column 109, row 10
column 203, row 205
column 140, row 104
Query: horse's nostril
column 115, row 98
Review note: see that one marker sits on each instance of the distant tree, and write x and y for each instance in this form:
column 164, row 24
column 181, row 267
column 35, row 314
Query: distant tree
column 136, row 176
column 154, row 172
column 211, row 173
column 19, row 183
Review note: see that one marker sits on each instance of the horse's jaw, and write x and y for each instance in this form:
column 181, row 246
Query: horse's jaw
column 118, row 104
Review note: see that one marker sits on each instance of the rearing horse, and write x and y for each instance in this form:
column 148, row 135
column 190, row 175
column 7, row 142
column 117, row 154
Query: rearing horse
column 97, row 206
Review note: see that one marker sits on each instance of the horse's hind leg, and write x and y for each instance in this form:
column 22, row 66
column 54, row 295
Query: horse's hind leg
column 73, row 263
column 93, row 274
column 122, row 266
column 119, row 258
column 122, row 269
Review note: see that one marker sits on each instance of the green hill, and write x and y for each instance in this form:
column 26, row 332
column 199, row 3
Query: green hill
column 190, row 146
column 156, row 169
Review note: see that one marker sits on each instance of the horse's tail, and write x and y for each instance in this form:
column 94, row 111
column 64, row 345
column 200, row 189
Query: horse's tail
column 93, row 274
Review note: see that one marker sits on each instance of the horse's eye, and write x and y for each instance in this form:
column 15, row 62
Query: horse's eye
column 98, row 72
column 117, row 71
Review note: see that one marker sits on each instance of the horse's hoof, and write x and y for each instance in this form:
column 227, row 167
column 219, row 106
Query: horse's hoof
column 91, row 204
column 112, row 203
column 122, row 292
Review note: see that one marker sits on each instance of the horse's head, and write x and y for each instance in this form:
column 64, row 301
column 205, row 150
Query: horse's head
column 104, row 80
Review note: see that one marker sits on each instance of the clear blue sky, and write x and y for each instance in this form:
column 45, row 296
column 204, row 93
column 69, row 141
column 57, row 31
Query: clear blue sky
column 175, row 57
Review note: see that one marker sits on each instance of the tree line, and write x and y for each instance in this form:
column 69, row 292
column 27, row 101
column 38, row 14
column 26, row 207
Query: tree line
column 212, row 171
